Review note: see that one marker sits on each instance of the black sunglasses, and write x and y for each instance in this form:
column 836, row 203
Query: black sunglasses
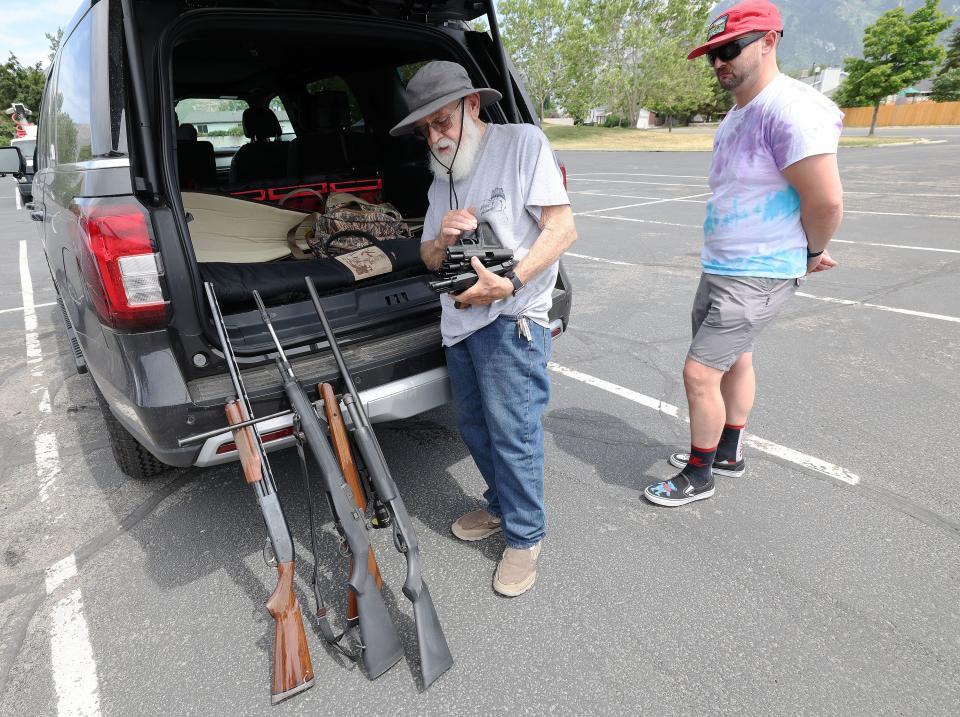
column 733, row 49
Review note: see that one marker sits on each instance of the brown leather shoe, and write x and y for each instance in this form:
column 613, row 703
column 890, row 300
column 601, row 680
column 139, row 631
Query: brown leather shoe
column 475, row 525
column 517, row 571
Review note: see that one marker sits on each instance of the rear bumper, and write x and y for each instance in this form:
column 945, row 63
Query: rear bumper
column 388, row 402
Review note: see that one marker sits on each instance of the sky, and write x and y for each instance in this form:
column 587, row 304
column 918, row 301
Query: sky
column 23, row 24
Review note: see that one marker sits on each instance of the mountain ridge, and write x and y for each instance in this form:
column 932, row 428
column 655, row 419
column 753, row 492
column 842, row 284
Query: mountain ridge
column 824, row 32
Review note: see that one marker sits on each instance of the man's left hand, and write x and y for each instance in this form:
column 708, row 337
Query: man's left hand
column 821, row 263
column 488, row 289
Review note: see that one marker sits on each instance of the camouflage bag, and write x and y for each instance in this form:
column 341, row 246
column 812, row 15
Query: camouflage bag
column 350, row 223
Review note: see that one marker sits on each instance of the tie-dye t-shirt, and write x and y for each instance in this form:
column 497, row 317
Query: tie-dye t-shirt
column 753, row 218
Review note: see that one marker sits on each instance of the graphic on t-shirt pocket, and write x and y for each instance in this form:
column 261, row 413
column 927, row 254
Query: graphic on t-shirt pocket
column 496, row 204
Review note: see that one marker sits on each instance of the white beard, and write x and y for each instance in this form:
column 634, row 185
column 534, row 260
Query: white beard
column 465, row 157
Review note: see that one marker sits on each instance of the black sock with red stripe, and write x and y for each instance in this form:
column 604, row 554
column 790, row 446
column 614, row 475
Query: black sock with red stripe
column 699, row 465
column 730, row 448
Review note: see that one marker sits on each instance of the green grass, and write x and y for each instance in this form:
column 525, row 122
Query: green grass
column 682, row 139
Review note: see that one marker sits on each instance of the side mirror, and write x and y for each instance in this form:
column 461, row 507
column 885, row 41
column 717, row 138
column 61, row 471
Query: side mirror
column 12, row 162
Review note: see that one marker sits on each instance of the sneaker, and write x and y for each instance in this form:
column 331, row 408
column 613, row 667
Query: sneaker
column 677, row 491
column 517, row 571
column 475, row 525
column 721, row 468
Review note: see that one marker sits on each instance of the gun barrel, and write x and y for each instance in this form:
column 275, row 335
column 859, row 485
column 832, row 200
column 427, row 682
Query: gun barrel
column 381, row 644
column 292, row 667
column 435, row 657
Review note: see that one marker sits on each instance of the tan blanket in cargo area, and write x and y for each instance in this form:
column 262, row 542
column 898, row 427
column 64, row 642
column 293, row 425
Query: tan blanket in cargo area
column 236, row 230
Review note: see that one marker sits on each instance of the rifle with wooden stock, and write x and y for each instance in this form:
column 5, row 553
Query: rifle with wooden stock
column 380, row 646
column 341, row 449
column 292, row 668
column 435, row 657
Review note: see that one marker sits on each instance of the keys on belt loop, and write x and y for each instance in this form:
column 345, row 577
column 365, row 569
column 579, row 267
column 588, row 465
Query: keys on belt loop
column 523, row 328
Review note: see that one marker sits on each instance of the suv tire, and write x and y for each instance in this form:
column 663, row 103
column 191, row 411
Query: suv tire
column 132, row 458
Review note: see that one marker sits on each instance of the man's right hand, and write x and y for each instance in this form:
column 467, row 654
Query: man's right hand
column 454, row 224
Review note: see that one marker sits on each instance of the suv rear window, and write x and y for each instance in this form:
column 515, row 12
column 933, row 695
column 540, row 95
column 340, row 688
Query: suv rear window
column 219, row 121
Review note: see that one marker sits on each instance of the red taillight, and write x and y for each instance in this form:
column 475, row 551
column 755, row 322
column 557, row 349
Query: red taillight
column 120, row 265
column 563, row 171
column 265, row 437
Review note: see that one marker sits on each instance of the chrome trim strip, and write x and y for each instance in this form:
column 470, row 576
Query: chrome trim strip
column 390, row 402
column 96, row 164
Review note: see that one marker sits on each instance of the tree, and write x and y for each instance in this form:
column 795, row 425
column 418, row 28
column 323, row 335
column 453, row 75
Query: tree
column 682, row 87
column 898, row 50
column 946, row 86
column 18, row 84
column 54, row 41
column 531, row 32
column 952, row 60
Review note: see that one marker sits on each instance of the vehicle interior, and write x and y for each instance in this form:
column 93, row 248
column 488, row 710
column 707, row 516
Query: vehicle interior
column 316, row 115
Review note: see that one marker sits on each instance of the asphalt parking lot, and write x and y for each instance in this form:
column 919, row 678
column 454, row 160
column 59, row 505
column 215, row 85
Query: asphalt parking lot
column 824, row 581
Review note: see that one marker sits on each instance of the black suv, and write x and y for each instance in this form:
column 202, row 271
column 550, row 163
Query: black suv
column 139, row 146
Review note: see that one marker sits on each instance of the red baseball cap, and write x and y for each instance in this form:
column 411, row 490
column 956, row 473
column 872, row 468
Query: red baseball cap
column 742, row 18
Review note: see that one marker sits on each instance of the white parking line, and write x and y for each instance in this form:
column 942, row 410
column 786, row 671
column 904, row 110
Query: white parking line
column 902, row 214
column 891, row 309
column 58, row 573
column 804, row 295
column 634, row 196
column 71, row 654
column 897, row 246
column 16, row 197
column 906, row 194
column 641, row 204
column 634, row 174
column 24, row 308
column 598, row 259
column 642, row 221
column 74, row 669
column 760, row 444
column 631, row 181
column 836, row 241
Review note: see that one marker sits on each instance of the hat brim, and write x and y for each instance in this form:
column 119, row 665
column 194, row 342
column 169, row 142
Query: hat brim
column 723, row 40
column 406, row 125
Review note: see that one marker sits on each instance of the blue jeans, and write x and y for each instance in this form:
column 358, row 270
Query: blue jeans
column 500, row 391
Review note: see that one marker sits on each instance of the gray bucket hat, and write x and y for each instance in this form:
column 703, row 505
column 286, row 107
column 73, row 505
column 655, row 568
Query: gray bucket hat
column 436, row 84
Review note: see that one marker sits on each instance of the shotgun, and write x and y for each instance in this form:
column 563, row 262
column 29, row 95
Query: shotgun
column 435, row 657
column 292, row 668
column 379, row 642
column 341, row 449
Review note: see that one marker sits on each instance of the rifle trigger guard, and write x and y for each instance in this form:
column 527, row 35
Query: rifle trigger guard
column 399, row 543
column 269, row 556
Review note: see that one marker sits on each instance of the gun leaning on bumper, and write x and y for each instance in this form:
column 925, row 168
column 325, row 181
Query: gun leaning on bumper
column 341, row 449
column 292, row 668
column 380, row 645
column 435, row 657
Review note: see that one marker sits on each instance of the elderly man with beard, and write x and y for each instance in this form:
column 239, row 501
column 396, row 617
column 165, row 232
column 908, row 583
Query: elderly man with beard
column 496, row 334
column 777, row 201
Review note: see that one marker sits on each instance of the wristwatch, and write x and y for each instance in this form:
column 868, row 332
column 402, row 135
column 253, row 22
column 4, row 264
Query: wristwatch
column 515, row 280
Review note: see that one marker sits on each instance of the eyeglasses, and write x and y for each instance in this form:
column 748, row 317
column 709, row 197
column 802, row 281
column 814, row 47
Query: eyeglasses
column 732, row 50
column 441, row 124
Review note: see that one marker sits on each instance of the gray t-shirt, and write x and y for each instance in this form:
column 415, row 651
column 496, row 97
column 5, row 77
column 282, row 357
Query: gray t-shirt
column 514, row 175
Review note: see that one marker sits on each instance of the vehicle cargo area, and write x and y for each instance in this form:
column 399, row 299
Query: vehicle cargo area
column 282, row 130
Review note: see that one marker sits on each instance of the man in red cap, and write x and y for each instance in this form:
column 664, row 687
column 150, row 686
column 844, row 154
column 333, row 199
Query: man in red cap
column 776, row 203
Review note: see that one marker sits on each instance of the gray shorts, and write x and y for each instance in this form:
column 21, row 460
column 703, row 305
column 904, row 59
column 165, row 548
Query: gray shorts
column 729, row 312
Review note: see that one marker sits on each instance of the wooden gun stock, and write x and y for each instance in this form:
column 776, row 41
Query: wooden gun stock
column 245, row 440
column 292, row 669
column 341, row 449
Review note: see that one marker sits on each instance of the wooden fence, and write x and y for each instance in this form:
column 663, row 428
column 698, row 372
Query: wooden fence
column 921, row 113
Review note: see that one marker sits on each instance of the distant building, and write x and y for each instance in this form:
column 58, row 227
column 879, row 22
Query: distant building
column 596, row 115
column 825, row 80
column 212, row 121
column 646, row 119
column 919, row 92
